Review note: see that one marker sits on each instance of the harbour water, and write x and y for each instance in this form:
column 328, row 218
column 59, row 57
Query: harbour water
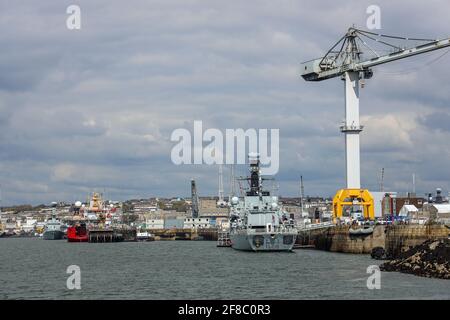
column 32, row 268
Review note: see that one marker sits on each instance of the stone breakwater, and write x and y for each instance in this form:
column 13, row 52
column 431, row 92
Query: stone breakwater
column 429, row 259
column 401, row 238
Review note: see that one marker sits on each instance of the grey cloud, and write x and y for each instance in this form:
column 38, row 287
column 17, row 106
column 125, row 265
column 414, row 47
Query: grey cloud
column 95, row 108
column 436, row 121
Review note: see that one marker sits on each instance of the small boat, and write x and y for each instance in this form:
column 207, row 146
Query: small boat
column 77, row 233
column 144, row 236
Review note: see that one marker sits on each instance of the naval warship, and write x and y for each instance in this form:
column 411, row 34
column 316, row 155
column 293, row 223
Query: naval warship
column 53, row 229
column 257, row 222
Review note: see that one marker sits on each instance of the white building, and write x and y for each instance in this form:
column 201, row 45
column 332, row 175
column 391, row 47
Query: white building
column 13, row 226
column 440, row 211
column 144, row 208
column 440, row 208
column 29, row 225
column 408, row 210
column 194, row 223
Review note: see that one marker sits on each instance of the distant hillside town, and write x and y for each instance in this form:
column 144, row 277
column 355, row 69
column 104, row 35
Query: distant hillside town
column 208, row 212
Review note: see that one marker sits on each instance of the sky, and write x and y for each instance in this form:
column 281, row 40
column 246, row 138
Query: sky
column 93, row 109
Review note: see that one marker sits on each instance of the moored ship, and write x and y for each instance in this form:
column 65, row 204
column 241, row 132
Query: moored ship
column 77, row 233
column 94, row 215
column 257, row 220
column 53, row 230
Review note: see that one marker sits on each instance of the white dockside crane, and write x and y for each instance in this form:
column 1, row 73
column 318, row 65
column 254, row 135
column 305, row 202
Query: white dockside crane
column 221, row 203
column 347, row 60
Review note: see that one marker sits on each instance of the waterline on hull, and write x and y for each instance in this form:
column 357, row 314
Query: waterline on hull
column 263, row 241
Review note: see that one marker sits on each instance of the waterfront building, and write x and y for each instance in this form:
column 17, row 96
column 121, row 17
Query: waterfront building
column 154, row 224
column 212, row 214
column 29, row 225
column 195, row 223
column 392, row 203
column 171, row 223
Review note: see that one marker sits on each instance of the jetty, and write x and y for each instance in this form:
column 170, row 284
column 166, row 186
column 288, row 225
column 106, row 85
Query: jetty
column 393, row 239
column 100, row 235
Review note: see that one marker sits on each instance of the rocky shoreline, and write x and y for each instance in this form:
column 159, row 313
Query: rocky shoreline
column 430, row 259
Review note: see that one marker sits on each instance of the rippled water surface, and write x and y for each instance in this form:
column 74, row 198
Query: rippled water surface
column 36, row 269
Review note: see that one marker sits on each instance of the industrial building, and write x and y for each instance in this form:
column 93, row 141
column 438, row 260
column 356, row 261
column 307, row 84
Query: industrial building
column 392, row 203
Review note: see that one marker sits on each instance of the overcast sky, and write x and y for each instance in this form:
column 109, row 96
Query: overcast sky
column 93, row 109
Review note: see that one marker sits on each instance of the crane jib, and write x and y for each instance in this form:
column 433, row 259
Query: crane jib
column 317, row 70
column 435, row 45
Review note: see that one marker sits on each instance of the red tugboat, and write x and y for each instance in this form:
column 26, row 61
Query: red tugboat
column 77, row 233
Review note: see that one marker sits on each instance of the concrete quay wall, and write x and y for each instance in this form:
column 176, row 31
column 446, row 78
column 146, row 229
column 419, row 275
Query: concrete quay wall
column 394, row 238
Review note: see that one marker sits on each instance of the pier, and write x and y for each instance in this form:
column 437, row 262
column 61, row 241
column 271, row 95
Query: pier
column 185, row 234
column 392, row 238
column 101, row 235
column 111, row 235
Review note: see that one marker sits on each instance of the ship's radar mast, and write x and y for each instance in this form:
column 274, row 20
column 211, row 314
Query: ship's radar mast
column 255, row 175
column 255, row 179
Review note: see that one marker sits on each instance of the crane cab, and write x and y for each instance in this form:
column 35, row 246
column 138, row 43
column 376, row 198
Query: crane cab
column 310, row 69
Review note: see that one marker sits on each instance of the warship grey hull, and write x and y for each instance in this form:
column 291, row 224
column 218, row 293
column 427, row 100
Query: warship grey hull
column 53, row 235
column 263, row 241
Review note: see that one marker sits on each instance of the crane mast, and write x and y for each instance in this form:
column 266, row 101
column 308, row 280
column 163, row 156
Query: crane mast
column 195, row 200
column 346, row 59
column 221, row 202
column 232, row 183
column 302, row 198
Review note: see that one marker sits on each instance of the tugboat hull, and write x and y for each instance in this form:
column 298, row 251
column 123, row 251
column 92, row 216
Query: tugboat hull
column 77, row 234
column 78, row 239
